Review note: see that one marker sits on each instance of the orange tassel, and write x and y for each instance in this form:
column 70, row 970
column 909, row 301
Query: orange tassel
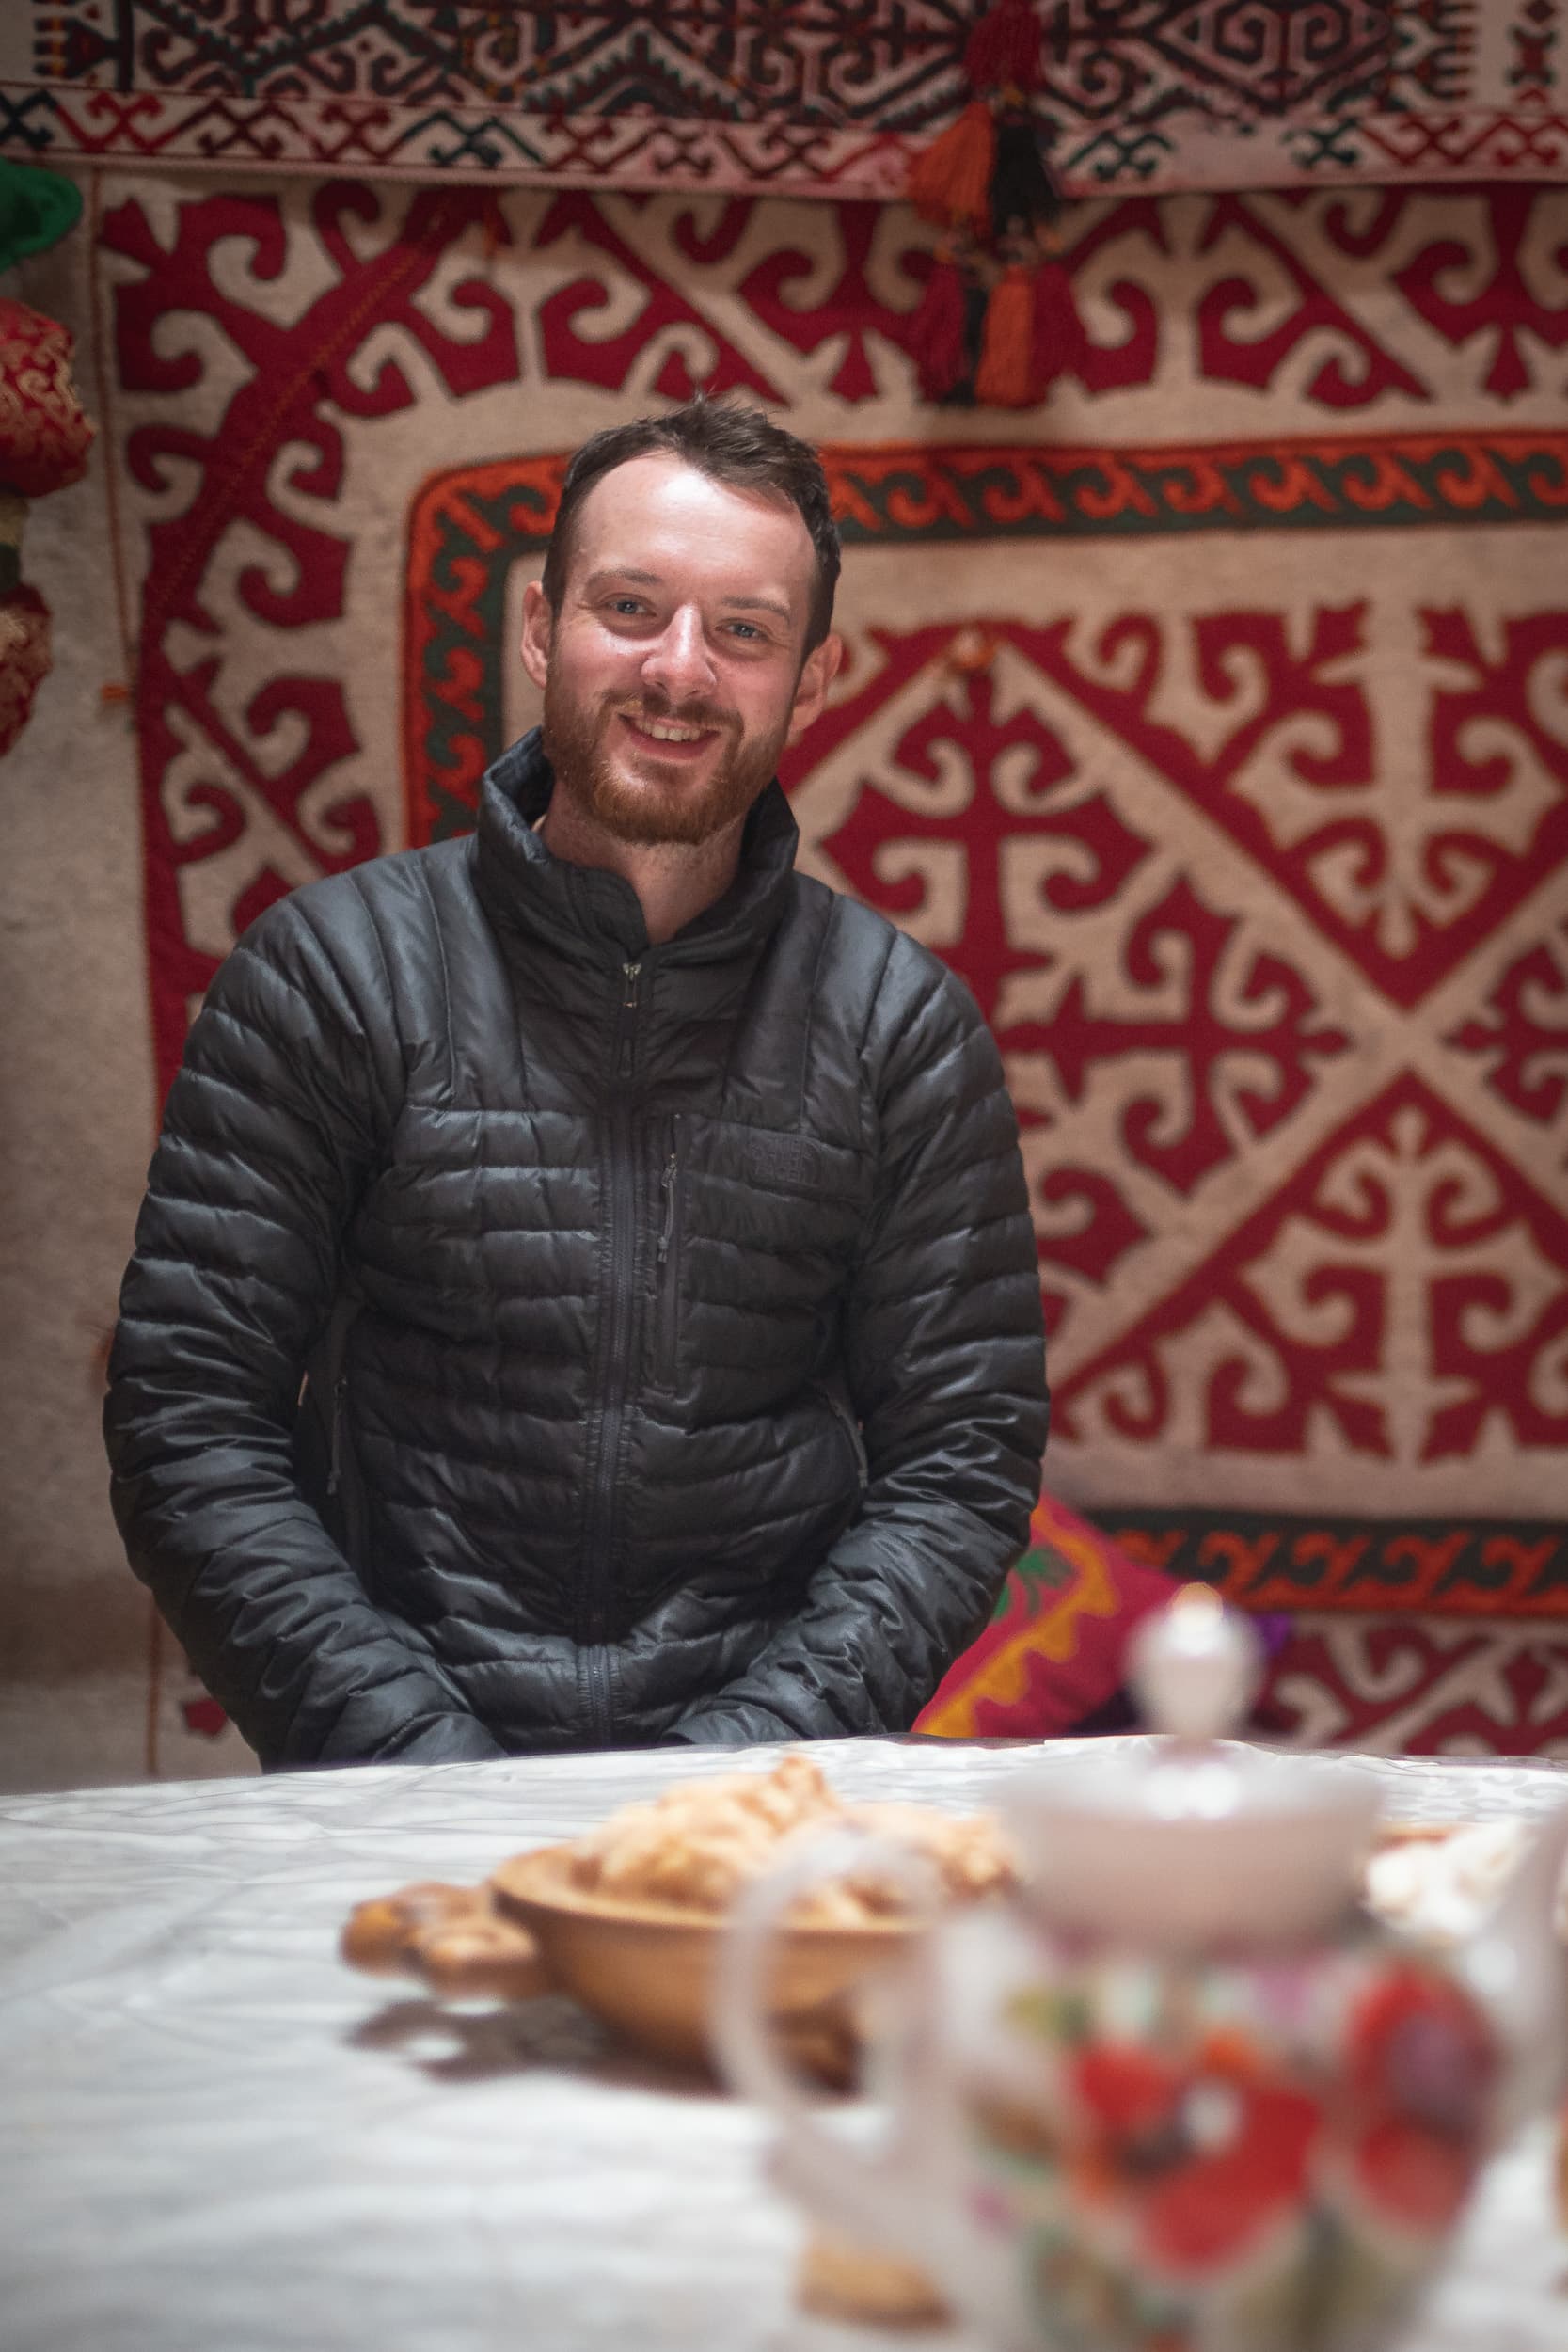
column 1006, row 376
column 950, row 180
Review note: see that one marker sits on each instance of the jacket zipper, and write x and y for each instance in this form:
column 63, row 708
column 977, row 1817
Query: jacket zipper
column 602, row 1475
column 335, row 1452
column 846, row 1422
column 344, row 1486
column 627, row 1051
column 667, row 1260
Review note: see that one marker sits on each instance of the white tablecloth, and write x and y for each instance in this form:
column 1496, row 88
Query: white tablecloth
column 214, row 2138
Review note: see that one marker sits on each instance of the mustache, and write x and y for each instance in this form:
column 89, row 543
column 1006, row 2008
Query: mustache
column 693, row 714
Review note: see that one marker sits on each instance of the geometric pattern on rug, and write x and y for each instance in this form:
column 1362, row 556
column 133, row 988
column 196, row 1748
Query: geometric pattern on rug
column 470, row 526
column 1210, row 720
column 1231, row 775
column 1418, row 1686
column 1516, row 1568
column 827, row 99
column 1374, row 1191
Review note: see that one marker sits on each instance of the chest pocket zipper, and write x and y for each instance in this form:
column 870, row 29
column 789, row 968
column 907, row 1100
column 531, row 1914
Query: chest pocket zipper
column 328, row 1374
column 666, row 1265
column 851, row 1427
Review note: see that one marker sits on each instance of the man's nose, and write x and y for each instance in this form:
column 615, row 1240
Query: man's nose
column 680, row 662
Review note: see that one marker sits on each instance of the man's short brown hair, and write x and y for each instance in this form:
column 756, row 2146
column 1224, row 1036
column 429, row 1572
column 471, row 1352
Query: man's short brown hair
column 731, row 444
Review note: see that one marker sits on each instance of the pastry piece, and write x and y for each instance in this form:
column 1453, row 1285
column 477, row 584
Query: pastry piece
column 483, row 1955
column 450, row 1937
column 379, row 1935
column 841, row 2280
column 1439, row 1883
column 968, row 1850
column 701, row 1842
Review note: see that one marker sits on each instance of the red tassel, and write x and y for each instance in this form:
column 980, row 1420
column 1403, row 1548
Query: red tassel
column 1060, row 346
column 1004, row 379
column 1003, row 51
column 950, row 180
column 934, row 335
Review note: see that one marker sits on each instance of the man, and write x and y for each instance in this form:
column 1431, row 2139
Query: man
column 650, row 1220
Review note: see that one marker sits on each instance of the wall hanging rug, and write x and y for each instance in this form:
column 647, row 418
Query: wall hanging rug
column 821, row 97
column 1210, row 719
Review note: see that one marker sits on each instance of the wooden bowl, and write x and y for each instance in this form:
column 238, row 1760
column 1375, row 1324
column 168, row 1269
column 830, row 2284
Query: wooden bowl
column 647, row 1969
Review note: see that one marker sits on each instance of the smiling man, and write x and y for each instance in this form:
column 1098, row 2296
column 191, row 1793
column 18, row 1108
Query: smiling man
column 585, row 1293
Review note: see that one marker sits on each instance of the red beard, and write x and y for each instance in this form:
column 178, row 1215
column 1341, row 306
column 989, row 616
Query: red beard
column 661, row 808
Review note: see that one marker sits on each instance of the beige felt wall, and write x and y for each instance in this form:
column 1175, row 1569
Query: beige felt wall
column 76, row 1108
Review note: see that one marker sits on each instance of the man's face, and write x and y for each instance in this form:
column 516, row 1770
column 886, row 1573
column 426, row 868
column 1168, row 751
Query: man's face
column 673, row 672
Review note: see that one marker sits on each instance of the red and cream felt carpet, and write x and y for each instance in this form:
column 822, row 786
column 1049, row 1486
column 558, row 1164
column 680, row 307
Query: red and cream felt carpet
column 1210, row 719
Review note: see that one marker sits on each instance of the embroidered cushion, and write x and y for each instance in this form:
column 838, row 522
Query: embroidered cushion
column 1052, row 1653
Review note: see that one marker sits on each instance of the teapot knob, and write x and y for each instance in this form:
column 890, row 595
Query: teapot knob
column 1195, row 1666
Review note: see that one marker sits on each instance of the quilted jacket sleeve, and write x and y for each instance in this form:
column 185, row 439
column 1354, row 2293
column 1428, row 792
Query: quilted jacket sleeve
column 945, row 1351
column 270, row 1129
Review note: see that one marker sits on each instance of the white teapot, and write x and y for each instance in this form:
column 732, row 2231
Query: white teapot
column 1180, row 2093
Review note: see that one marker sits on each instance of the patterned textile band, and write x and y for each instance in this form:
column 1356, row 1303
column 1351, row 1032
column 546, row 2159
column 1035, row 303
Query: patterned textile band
column 1436, row 1568
column 826, row 97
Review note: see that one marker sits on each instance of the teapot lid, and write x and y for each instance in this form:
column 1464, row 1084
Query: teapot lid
column 1193, row 1838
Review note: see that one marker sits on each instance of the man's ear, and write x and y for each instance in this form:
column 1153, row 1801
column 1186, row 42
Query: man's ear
column 817, row 672
column 538, row 622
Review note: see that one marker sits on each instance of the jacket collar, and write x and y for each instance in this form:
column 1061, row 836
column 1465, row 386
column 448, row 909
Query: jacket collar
column 582, row 911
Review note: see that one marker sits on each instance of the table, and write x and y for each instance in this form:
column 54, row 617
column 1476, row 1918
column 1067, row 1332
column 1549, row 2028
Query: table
column 218, row 2138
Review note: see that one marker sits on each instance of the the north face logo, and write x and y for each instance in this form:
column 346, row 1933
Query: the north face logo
column 793, row 1160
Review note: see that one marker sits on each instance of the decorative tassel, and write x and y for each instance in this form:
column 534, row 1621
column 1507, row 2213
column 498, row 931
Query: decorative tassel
column 1022, row 195
column 935, row 337
column 950, row 180
column 1006, row 352
column 988, row 180
column 1060, row 346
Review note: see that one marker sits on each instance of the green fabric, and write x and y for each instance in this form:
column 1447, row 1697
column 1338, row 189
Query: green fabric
column 36, row 209
column 1038, row 1565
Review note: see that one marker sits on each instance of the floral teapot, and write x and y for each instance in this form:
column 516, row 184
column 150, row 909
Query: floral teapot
column 1182, row 2093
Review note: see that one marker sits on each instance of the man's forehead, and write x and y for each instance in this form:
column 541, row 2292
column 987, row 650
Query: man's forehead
column 655, row 511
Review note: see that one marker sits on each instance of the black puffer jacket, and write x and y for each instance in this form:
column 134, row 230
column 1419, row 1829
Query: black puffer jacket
column 631, row 1239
